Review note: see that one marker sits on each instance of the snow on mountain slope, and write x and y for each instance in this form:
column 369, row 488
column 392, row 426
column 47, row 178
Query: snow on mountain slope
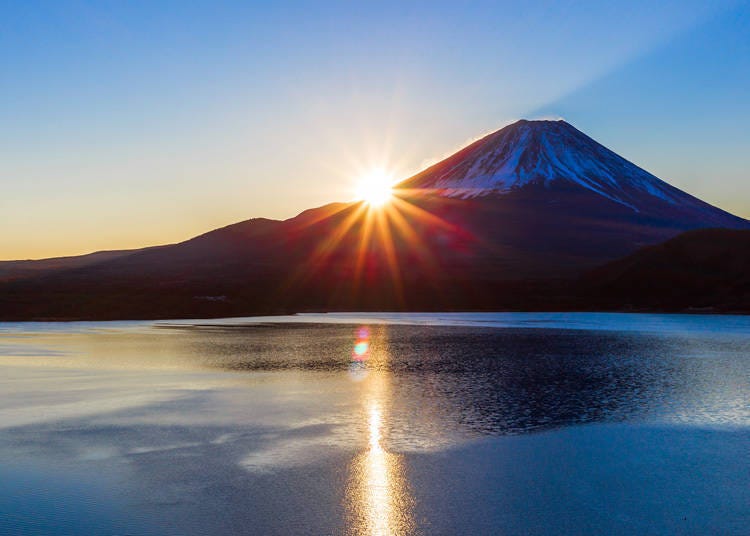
column 547, row 153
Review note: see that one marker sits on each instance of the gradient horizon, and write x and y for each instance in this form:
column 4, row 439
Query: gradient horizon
column 148, row 123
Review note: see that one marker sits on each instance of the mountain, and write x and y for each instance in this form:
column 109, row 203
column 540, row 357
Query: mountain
column 21, row 269
column 553, row 202
column 707, row 269
column 506, row 223
column 553, row 156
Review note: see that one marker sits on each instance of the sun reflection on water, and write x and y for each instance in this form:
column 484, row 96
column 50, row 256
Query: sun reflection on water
column 378, row 498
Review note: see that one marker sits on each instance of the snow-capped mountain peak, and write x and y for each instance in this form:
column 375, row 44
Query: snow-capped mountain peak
column 543, row 153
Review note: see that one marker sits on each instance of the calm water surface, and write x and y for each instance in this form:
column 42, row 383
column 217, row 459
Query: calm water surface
column 377, row 424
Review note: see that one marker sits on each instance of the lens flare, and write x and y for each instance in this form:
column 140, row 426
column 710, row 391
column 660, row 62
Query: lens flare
column 362, row 345
column 360, row 348
column 360, row 353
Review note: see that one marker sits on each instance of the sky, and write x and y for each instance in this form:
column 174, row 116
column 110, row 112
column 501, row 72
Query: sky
column 126, row 124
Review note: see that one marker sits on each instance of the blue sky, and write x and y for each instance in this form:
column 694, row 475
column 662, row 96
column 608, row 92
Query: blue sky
column 134, row 123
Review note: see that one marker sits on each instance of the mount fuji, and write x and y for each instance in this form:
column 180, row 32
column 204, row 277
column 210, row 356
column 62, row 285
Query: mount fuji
column 511, row 221
column 554, row 155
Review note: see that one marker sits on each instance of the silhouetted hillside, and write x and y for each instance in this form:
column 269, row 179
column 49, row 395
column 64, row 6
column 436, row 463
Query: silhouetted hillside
column 510, row 222
column 706, row 269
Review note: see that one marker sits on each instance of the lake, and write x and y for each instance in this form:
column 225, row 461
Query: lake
column 375, row 424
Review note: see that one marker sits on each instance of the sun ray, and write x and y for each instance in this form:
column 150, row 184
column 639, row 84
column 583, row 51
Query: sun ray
column 363, row 249
column 327, row 247
column 374, row 244
column 422, row 253
column 420, row 213
column 308, row 218
column 386, row 241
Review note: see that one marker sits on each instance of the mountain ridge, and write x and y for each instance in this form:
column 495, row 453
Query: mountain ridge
column 699, row 270
column 542, row 152
column 520, row 247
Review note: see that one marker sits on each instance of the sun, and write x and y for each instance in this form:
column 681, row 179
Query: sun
column 375, row 187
